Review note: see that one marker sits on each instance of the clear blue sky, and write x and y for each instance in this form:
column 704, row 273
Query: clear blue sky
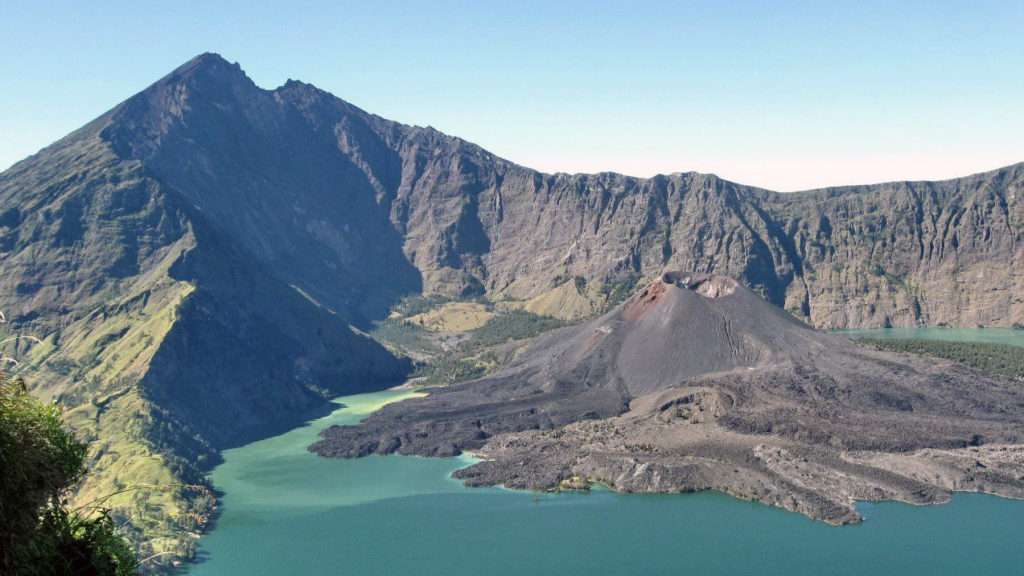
column 786, row 95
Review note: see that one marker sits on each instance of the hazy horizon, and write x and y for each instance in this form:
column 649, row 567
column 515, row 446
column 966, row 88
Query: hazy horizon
column 787, row 97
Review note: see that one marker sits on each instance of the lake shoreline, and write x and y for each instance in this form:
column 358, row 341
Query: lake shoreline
column 305, row 511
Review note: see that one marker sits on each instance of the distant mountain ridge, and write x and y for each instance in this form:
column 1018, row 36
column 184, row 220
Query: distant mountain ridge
column 194, row 259
column 470, row 222
column 296, row 173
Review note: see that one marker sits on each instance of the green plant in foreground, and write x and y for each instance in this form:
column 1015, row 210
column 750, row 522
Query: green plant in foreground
column 41, row 462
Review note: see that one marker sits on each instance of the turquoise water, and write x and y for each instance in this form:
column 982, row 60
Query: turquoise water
column 992, row 335
column 288, row 512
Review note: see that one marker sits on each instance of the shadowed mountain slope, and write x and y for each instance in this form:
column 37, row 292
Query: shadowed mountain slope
column 166, row 336
column 696, row 382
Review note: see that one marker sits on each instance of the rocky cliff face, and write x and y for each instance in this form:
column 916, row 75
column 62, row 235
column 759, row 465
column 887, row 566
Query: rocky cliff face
column 354, row 210
column 895, row 254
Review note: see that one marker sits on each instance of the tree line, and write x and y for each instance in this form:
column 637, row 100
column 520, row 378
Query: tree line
column 995, row 358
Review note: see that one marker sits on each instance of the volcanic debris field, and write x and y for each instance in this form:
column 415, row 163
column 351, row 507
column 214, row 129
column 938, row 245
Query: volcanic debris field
column 698, row 383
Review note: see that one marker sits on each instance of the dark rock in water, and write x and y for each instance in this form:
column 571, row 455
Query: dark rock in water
column 695, row 383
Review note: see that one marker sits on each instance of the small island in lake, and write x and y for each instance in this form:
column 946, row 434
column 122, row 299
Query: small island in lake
column 698, row 383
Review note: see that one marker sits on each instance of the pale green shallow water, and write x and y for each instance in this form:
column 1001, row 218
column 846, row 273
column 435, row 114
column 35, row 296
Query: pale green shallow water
column 289, row 512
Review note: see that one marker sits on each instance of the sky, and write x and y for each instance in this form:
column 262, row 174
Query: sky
column 783, row 95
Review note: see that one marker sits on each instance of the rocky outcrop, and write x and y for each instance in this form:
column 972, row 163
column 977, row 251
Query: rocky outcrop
column 889, row 255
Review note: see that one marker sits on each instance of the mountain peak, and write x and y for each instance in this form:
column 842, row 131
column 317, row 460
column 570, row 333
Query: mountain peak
column 137, row 126
column 206, row 69
column 210, row 60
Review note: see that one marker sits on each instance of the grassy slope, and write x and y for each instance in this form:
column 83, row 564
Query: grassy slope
column 85, row 268
column 572, row 300
column 453, row 317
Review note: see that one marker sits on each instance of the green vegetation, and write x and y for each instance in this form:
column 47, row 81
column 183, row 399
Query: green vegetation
column 996, row 358
column 96, row 362
column 451, row 341
column 473, row 357
column 136, row 444
column 621, row 288
column 404, row 338
column 418, row 304
column 514, row 325
column 452, row 369
column 41, row 463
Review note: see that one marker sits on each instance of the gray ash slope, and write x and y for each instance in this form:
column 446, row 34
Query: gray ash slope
column 698, row 383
